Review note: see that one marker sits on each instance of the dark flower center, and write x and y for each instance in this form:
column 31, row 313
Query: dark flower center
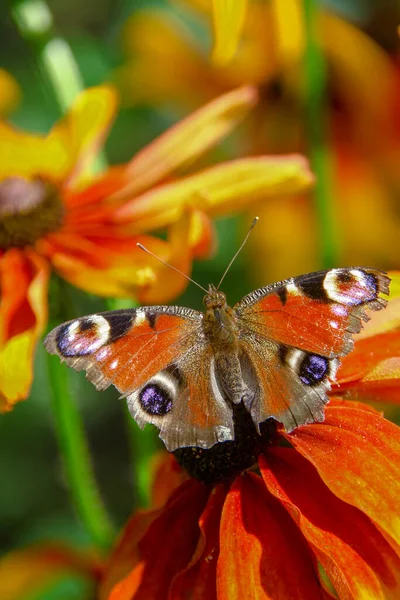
column 28, row 210
column 228, row 459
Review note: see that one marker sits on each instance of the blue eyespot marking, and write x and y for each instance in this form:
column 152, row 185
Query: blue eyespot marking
column 313, row 369
column 155, row 400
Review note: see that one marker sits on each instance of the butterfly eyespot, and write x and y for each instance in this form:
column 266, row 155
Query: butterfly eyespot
column 350, row 287
column 155, row 400
column 313, row 369
column 70, row 341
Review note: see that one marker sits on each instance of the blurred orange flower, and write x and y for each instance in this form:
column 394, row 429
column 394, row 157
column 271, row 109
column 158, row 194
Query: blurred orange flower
column 317, row 515
column 55, row 213
column 167, row 63
column 31, row 571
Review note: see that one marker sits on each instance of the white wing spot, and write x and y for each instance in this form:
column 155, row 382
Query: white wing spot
column 140, row 317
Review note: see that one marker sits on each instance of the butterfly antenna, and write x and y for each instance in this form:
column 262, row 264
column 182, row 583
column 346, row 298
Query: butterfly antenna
column 255, row 221
column 171, row 267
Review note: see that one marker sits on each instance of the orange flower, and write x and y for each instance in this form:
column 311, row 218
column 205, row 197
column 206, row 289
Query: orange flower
column 363, row 124
column 317, row 514
column 55, row 214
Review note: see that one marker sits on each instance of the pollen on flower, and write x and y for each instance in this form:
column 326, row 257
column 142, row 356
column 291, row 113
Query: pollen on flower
column 29, row 209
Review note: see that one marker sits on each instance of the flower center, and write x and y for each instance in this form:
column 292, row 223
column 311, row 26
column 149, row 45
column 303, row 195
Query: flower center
column 228, row 459
column 28, row 210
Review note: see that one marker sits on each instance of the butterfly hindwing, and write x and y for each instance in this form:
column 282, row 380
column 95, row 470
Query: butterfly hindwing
column 292, row 334
column 157, row 358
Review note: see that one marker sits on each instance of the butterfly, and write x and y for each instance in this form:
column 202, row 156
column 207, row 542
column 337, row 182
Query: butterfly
column 275, row 351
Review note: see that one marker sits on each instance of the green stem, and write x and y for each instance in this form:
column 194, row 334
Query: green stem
column 315, row 89
column 76, row 458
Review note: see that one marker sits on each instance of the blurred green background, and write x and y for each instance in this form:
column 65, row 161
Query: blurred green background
column 34, row 501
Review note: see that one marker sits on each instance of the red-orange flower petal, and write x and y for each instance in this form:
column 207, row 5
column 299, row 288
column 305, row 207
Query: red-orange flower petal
column 23, row 314
column 358, row 560
column 262, row 555
column 177, row 530
column 198, row 580
column 357, row 455
column 167, row 477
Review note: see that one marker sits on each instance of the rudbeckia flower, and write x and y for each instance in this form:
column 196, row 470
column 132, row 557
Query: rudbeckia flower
column 55, row 214
column 310, row 514
column 364, row 124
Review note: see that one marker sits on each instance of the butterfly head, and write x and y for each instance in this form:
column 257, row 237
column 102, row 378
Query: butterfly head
column 214, row 299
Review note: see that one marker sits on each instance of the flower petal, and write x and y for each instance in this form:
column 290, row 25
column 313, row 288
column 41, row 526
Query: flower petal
column 388, row 319
column 113, row 265
column 356, row 557
column 84, row 128
column 126, row 556
column 23, row 314
column 30, row 571
column 167, row 476
column 229, row 18
column 198, row 580
column 365, row 450
column 167, row 546
column 183, row 143
column 262, row 553
column 69, row 147
column 228, row 187
column 368, row 353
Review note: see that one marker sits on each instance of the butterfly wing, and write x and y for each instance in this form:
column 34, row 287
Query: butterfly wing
column 158, row 358
column 293, row 332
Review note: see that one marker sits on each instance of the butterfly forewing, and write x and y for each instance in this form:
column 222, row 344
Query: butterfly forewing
column 294, row 331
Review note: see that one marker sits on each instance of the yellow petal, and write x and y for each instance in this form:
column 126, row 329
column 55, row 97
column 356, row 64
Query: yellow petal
column 186, row 141
column 224, row 189
column 228, row 17
column 23, row 317
column 84, row 128
column 9, row 92
column 289, row 30
column 69, row 147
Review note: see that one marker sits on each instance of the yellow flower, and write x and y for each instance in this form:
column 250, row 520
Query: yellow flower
column 54, row 214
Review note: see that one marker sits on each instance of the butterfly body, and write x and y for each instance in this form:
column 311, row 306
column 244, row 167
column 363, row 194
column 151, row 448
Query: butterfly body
column 275, row 351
